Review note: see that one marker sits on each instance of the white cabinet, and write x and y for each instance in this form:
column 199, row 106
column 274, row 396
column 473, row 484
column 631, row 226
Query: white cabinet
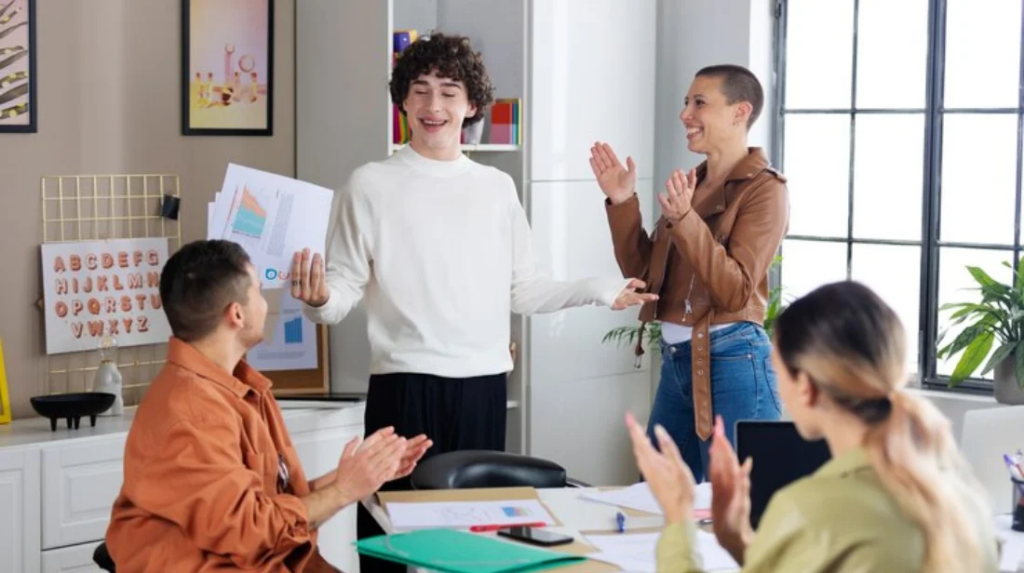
column 319, row 451
column 19, row 510
column 77, row 559
column 57, row 489
column 80, row 483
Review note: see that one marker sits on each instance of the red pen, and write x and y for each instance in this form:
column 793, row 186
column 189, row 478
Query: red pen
column 482, row 528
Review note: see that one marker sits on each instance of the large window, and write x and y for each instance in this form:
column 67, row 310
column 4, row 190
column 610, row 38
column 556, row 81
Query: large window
column 901, row 130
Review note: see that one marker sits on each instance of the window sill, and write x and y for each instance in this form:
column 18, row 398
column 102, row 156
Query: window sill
column 952, row 394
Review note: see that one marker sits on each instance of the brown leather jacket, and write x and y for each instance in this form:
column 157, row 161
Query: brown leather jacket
column 712, row 265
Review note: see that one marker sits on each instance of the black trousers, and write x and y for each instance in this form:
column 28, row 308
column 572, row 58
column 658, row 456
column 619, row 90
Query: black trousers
column 456, row 413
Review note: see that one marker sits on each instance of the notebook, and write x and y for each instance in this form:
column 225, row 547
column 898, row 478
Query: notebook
column 459, row 552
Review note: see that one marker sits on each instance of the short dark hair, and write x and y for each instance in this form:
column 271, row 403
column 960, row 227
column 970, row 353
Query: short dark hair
column 199, row 282
column 453, row 58
column 738, row 84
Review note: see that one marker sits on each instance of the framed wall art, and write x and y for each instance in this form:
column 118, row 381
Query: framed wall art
column 17, row 66
column 227, row 67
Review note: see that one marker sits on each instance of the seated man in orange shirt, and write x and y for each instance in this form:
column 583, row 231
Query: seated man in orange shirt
column 211, row 478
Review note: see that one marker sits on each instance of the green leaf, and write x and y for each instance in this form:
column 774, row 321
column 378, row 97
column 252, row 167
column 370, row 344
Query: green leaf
column 964, row 339
column 998, row 356
column 978, row 308
column 981, row 276
column 975, row 353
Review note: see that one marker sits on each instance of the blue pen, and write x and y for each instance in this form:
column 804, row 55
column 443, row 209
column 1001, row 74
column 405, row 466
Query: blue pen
column 620, row 520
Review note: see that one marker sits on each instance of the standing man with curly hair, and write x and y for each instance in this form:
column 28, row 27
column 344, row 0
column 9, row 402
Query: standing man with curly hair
column 440, row 248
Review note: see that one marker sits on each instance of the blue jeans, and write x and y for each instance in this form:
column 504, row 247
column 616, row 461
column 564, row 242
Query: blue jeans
column 743, row 387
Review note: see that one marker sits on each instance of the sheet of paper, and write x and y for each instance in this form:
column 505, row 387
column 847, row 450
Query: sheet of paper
column 289, row 341
column 637, row 551
column 1011, row 550
column 464, row 514
column 630, row 551
column 272, row 217
column 639, row 497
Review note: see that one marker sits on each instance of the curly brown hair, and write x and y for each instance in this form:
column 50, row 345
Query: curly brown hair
column 451, row 57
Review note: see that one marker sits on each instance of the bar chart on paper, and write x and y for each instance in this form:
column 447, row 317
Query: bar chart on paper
column 271, row 217
column 251, row 217
column 293, row 331
column 291, row 344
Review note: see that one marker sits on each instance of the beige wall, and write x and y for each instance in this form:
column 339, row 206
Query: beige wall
column 109, row 103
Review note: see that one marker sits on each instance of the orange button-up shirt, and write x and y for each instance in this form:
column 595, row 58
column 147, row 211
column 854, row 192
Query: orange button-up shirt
column 203, row 487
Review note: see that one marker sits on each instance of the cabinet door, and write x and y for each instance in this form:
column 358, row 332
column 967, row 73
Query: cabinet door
column 77, row 558
column 80, row 484
column 19, row 510
column 319, row 452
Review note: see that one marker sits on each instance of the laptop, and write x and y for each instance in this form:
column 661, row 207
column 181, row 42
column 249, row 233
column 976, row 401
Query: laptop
column 781, row 457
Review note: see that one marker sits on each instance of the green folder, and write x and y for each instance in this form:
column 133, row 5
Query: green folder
column 459, row 552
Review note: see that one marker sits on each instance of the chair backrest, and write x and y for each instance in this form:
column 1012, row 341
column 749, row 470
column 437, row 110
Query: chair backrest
column 481, row 469
column 988, row 434
column 101, row 557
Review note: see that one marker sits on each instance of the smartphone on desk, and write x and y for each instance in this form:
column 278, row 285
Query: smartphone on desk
column 535, row 536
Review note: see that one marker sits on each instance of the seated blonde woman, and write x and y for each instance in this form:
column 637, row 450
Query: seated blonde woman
column 896, row 495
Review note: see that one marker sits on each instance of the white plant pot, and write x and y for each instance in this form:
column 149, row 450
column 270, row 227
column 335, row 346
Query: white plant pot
column 1007, row 390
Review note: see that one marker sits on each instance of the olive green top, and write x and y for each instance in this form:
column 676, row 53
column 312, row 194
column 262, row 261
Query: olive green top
column 840, row 520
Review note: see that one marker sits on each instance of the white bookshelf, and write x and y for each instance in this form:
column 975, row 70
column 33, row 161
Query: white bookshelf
column 474, row 147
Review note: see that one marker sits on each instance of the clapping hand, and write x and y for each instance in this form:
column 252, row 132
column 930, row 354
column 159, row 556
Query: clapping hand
column 730, row 494
column 677, row 200
column 667, row 474
column 617, row 182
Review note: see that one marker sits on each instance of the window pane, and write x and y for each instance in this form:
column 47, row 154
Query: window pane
column 954, row 280
column 894, row 273
column 887, row 179
column 817, row 165
column 819, row 54
column 982, row 53
column 806, row 265
column 979, row 177
column 891, row 74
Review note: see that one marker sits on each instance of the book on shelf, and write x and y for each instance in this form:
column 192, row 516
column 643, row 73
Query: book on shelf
column 507, row 121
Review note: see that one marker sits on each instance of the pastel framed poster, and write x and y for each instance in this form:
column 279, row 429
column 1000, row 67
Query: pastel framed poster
column 227, row 67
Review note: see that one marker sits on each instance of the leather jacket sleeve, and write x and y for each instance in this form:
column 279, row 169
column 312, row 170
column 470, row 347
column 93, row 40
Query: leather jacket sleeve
column 732, row 271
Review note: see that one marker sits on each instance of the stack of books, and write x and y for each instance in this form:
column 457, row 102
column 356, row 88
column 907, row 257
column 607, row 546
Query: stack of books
column 507, row 121
column 400, row 40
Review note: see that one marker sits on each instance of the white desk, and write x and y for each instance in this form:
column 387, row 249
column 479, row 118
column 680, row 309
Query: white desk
column 578, row 515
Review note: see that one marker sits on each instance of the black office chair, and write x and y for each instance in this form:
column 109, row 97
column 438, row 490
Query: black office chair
column 482, row 469
column 102, row 558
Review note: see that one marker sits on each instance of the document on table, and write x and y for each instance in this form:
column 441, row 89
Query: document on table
column 1011, row 550
column 636, row 552
column 465, row 514
column 639, row 497
column 272, row 217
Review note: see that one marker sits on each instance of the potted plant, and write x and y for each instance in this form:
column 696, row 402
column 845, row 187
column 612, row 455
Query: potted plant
column 998, row 318
column 627, row 335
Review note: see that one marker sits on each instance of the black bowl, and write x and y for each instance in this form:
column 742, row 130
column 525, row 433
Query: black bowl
column 72, row 407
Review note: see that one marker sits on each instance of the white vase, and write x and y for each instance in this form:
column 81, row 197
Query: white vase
column 108, row 380
column 1007, row 390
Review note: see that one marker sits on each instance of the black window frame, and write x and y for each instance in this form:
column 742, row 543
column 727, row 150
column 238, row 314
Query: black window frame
column 930, row 321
